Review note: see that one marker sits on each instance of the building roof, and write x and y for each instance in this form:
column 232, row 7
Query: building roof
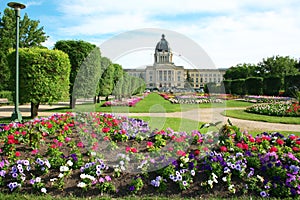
column 163, row 45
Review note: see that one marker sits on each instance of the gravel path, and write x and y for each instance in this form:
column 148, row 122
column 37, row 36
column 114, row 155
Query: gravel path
column 202, row 115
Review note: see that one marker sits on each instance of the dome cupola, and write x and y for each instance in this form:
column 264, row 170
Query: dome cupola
column 162, row 45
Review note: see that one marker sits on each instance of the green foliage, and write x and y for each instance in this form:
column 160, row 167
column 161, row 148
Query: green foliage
column 77, row 52
column 278, row 66
column 240, row 71
column 238, row 87
column 106, row 83
column 6, row 95
column 227, row 86
column 292, row 82
column 44, row 75
column 31, row 35
column 88, row 76
column 272, row 85
column 254, row 85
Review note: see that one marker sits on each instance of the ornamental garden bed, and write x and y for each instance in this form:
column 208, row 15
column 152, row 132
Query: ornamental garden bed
column 94, row 154
column 284, row 109
column 191, row 99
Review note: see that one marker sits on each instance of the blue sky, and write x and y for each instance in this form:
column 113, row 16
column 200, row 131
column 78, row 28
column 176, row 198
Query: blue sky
column 229, row 31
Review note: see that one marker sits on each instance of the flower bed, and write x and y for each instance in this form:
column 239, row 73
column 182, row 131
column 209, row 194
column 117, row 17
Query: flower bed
column 89, row 154
column 127, row 102
column 276, row 109
column 266, row 99
column 191, row 99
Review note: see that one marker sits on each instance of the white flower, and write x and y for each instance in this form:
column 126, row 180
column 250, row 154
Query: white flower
column 83, row 176
column 63, row 169
column 53, row 179
column 193, row 172
column 44, row 190
column 70, row 163
column 260, row 178
column 60, row 175
column 224, row 178
column 210, row 182
column 93, row 153
column 38, row 179
column 81, row 185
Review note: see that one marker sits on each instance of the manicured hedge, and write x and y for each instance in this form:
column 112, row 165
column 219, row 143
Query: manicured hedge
column 238, row 87
column 254, row 85
column 272, row 85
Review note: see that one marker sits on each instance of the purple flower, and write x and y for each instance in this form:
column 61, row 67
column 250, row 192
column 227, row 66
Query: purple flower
column 263, row 194
column 131, row 188
column 2, row 173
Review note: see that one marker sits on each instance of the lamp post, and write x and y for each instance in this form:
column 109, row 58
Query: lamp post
column 16, row 115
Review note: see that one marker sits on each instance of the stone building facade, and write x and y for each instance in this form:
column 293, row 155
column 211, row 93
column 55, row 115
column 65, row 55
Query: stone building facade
column 165, row 74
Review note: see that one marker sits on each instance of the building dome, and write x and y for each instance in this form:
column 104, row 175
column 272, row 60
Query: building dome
column 162, row 45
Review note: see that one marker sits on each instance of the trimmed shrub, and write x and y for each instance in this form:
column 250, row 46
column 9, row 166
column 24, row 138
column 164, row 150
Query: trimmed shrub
column 254, row 85
column 227, row 86
column 272, row 85
column 290, row 82
column 238, row 87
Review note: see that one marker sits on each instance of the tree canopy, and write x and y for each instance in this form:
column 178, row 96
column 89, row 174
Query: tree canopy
column 31, row 35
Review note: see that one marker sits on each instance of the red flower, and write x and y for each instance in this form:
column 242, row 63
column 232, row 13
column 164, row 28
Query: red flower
column 273, row 149
column 50, row 126
column 196, row 152
column 106, row 138
column 245, row 146
column 223, row 149
column 239, row 145
column 296, row 149
column 18, row 154
column 280, row 142
column 133, row 150
column 298, row 142
column 293, row 137
column 254, row 148
column 123, row 131
column 251, row 139
column 53, row 146
column 105, row 129
column 180, row 153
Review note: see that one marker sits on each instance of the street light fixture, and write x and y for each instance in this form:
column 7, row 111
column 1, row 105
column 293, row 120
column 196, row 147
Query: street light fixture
column 16, row 115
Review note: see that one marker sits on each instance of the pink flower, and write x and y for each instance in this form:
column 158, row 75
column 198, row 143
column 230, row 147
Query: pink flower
column 101, row 180
column 149, row 144
column 18, row 154
column 68, row 139
column 34, row 151
column 107, row 178
column 80, row 145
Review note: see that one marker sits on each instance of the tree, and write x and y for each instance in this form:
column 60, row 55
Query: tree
column 107, row 82
column 240, row 71
column 44, row 76
column 278, row 66
column 77, row 52
column 31, row 35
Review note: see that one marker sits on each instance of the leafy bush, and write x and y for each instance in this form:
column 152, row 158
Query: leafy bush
column 276, row 109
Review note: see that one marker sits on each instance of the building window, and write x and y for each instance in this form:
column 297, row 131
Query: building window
column 205, row 80
column 201, row 80
column 150, row 78
column 197, row 75
column 197, row 80
column 178, row 84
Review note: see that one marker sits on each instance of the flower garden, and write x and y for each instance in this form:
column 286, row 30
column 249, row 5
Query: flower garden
column 93, row 154
column 191, row 99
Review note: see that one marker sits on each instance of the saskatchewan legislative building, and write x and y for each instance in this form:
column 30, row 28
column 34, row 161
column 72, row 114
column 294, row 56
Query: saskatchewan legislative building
column 165, row 74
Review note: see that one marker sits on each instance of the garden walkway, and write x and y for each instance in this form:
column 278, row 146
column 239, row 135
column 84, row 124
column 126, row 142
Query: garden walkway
column 203, row 115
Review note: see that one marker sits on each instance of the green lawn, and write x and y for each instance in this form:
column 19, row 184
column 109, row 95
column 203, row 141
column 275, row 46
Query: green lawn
column 153, row 103
column 241, row 114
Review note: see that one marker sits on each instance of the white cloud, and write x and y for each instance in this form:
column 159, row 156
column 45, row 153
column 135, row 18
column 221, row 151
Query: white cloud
column 231, row 32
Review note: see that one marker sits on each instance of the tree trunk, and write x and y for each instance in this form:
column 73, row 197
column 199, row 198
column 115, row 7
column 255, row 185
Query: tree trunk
column 95, row 99
column 106, row 98
column 34, row 109
column 72, row 102
column 98, row 99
